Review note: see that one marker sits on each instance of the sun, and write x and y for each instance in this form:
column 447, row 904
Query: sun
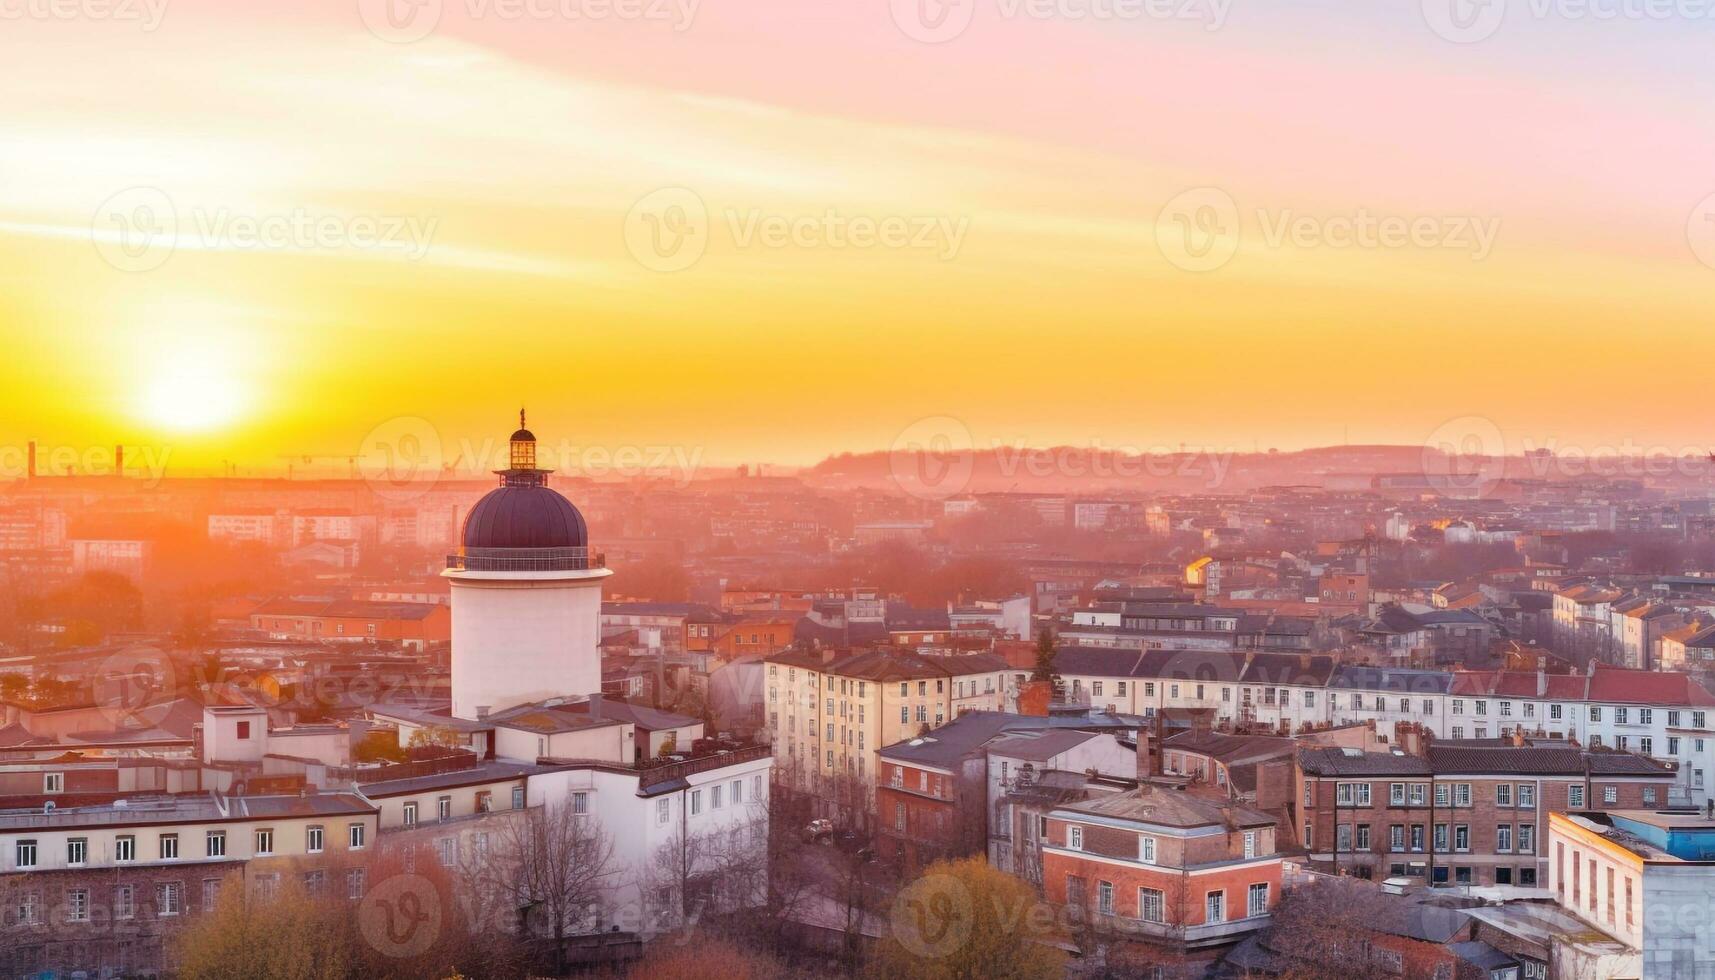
column 192, row 391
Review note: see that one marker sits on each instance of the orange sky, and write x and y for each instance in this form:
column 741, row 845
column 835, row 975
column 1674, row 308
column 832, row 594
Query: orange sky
column 776, row 230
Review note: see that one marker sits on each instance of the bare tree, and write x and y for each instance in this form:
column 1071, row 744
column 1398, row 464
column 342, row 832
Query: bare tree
column 553, row 865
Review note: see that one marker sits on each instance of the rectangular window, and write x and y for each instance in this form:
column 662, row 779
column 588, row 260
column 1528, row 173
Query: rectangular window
column 215, row 844
column 1215, row 907
column 1526, row 796
column 1504, row 794
column 125, row 848
column 1503, row 839
column 411, row 814
column 210, row 893
column 1075, row 838
column 169, row 899
column 77, row 850
column 580, row 803
column 124, row 902
column 696, row 802
column 1610, row 795
column 1396, row 837
column 354, row 836
column 1146, row 849
column 169, row 847
column 264, row 842
column 1574, row 795
column 444, row 809
column 313, row 839
column 1151, row 905
column 1250, row 843
column 517, row 797
column 1526, row 839
column 355, row 883
column 77, row 904
column 1257, row 900
column 1461, row 837
column 1105, row 897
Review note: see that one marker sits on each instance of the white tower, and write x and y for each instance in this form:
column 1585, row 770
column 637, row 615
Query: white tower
column 526, row 601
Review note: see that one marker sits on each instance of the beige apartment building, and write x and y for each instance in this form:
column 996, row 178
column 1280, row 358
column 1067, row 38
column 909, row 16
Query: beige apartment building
column 829, row 714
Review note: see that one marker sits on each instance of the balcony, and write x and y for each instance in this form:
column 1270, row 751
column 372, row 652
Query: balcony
column 524, row 560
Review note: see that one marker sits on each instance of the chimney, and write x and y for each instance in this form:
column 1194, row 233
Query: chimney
column 595, row 707
column 118, row 460
column 1516, row 737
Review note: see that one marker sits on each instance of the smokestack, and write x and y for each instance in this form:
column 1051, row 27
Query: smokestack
column 118, row 460
column 30, row 468
column 595, row 707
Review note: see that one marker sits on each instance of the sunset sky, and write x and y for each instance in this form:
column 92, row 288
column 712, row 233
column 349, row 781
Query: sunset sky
column 1037, row 165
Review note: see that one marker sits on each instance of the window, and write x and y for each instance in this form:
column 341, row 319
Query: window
column 215, row 844
column 1526, row 796
column 77, row 850
column 484, row 802
column 1526, row 839
column 1621, row 715
column 1441, row 794
column 1595, row 712
column 411, row 814
column 313, row 838
column 53, row 782
column 264, row 842
column 663, row 810
column 1250, row 843
column 1396, row 837
column 354, row 836
column 1503, row 838
column 1151, row 905
column 445, row 851
column 124, row 902
column 125, row 848
column 355, row 883
column 1649, row 795
column 1461, row 837
column 268, row 886
column 1554, row 712
column 444, row 809
column 1574, row 795
column 29, row 907
column 715, row 797
column 1461, row 794
column 169, row 898
column 77, row 904
column 1504, row 795
column 1396, row 794
column 1441, row 837
column 1257, row 901
column 738, row 787
column 517, row 797
column 1417, row 837
column 580, row 803
column 1610, row 794
column 1105, row 897
column 1215, row 907
column 169, row 847
column 1075, row 838
column 1363, row 837
column 1146, row 849
column 210, row 893
column 899, row 817
column 1646, row 716
column 1342, row 837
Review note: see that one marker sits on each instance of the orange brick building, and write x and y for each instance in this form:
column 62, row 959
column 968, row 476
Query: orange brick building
column 1163, row 866
column 410, row 624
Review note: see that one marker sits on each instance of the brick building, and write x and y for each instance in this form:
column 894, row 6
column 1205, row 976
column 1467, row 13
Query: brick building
column 1463, row 813
column 1162, row 865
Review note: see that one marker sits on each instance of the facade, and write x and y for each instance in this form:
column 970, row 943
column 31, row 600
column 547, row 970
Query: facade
column 410, row 624
column 1163, row 866
column 829, row 717
column 1458, row 814
column 1664, row 716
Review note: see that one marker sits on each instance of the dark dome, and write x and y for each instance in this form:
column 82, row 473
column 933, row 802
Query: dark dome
column 523, row 516
column 523, row 435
